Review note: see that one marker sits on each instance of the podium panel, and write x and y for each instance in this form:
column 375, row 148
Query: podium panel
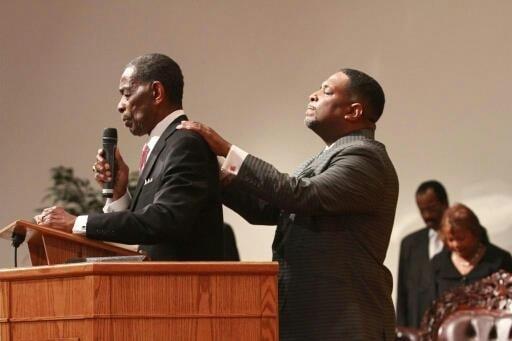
column 140, row 301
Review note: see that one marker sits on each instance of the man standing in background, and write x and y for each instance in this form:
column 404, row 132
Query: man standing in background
column 416, row 251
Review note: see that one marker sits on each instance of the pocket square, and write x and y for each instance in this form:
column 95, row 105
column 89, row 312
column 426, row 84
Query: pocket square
column 148, row 181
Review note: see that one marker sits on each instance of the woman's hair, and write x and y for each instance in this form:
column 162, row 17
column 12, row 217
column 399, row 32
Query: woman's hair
column 460, row 216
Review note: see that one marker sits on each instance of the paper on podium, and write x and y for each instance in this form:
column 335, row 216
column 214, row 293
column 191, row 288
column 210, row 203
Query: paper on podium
column 134, row 248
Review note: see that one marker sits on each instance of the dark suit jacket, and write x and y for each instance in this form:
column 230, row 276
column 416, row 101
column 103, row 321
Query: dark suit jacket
column 230, row 247
column 176, row 211
column 414, row 290
column 334, row 223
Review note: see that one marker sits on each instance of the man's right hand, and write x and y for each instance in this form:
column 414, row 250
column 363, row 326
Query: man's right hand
column 102, row 173
column 217, row 144
column 56, row 217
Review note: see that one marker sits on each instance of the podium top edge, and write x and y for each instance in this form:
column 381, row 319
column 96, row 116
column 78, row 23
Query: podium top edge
column 23, row 226
column 141, row 268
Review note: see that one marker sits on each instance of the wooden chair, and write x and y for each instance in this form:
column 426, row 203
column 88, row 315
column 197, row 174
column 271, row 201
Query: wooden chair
column 408, row 334
column 476, row 325
column 481, row 305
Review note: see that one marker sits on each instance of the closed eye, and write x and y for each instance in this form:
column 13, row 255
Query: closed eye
column 327, row 90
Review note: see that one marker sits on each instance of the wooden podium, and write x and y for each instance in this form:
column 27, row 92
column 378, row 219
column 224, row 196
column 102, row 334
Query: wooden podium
column 140, row 301
column 49, row 246
column 133, row 301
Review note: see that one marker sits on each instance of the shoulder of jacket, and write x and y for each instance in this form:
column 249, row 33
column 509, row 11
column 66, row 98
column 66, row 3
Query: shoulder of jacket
column 415, row 236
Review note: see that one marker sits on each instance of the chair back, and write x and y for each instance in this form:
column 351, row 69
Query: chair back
column 476, row 325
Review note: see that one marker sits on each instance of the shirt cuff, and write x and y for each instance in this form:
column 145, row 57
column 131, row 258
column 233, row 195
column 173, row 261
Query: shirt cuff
column 234, row 160
column 80, row 225
column 118, row 205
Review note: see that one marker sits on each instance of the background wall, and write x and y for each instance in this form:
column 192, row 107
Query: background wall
column 249, row 68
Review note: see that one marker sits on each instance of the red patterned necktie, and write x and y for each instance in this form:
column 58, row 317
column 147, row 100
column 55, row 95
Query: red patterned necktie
column 143, row 157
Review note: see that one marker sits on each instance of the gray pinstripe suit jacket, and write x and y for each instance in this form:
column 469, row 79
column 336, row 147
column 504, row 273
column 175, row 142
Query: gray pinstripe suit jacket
column 334, row 223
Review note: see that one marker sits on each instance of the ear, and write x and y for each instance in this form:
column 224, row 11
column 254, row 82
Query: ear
column 158, row 92
column 355, row 113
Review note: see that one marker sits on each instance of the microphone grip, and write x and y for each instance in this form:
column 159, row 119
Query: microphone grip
column 109, row 149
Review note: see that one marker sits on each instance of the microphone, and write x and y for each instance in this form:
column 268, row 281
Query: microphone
column 17, row 238
column 109, row 148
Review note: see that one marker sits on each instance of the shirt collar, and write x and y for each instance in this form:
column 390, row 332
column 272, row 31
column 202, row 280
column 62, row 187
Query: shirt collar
column 161, row 126
column 432, row 233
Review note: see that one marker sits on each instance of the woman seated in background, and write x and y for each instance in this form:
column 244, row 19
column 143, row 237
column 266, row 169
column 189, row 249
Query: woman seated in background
column 467, row 256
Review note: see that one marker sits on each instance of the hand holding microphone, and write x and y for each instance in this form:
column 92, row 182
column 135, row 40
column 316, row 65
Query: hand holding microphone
column 111, row 172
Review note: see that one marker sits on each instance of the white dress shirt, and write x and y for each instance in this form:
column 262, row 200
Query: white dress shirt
column 123, row 203
column 435, row 244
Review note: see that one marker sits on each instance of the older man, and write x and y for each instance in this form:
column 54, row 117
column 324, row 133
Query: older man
column 416, row 250
column 334, row 216
column 176, row 211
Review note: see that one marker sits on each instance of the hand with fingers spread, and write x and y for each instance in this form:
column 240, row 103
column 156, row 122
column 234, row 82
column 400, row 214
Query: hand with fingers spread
column 217, row 144
column 102, row 173
column 56, row 217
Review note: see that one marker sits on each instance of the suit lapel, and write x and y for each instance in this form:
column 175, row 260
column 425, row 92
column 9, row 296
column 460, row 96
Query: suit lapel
column 306, row 169
column 153, row 156
column 423, row 261
column 423, row 246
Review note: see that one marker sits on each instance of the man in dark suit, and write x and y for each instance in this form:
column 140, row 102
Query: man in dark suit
column 334, row 216
column 176, row 211
column 414, row 294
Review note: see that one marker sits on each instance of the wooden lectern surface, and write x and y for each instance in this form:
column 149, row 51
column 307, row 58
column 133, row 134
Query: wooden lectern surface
column 50, row 246
column 140, row 301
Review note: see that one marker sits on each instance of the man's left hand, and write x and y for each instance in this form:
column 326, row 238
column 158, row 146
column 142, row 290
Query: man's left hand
column 217, row 144
column 56, row 217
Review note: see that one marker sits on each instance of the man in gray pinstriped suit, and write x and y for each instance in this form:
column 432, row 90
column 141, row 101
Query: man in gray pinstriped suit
column 334, row 216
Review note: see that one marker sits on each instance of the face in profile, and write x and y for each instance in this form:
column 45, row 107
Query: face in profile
column 328, row 103
column 431, row 209
column 136, row 104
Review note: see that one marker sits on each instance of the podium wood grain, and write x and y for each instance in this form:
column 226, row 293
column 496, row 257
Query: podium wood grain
column 140, row 301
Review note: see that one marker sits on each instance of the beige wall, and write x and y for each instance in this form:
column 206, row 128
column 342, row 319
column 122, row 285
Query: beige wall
column 249, row 67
